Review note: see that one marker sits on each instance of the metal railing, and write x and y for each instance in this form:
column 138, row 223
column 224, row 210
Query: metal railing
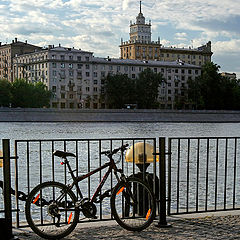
column 203, row 174
column 35, row 164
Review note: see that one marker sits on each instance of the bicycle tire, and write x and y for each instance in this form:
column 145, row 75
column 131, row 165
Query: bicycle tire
column 41, row 213
column 130, row 209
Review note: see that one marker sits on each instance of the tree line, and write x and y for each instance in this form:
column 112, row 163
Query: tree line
column 210, row 90
column 121, row 90
column 23, row 94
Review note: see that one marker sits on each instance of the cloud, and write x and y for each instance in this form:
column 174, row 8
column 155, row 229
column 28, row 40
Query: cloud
column 181, row 36
column 99, row 25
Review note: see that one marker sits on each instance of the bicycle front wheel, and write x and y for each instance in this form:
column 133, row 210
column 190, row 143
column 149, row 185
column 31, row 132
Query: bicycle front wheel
column 133, row 204
column 51, row 211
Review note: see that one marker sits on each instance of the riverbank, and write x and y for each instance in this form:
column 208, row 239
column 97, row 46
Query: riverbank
column 112, row 115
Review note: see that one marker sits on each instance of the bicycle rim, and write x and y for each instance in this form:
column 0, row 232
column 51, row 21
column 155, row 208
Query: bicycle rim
column 50, row 210
column 133, row 205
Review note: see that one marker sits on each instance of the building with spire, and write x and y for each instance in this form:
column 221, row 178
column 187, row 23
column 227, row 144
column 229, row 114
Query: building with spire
column 141, row 47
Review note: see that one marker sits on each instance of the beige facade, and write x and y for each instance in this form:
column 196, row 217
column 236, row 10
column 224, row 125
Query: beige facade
column 141, row 47
column 76, row 77
column 8, row 52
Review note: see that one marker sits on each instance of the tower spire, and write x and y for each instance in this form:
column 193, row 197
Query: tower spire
column 140, row 6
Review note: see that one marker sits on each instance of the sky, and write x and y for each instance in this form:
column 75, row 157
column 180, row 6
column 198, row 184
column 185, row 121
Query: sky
column 98, row 26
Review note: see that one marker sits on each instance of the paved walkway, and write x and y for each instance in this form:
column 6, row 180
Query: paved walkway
column 193, row 227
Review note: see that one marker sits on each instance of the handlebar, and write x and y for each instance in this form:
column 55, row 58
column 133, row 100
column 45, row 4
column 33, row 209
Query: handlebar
column 114, row 151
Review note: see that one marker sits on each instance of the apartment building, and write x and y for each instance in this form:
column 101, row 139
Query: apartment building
column 8, row 52
column 141, row 47
column 76, row 77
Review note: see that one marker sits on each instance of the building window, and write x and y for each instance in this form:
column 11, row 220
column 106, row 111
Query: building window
column 95, row 89
column 71, row 96
column 189, row 71
column 79, row 74
column 62, row 87
column 70, row 65
column 62, row 57
column 176, row 70
column 196, row 71
column 54, row 88
column 62, row 65
column 79, row 66
column 87, row 66
column 53, row 56
column 70, row 57
column 62, row 105
column 62, row 95
column 118, row 68
column 95, row 82
column 102, row 74
column 87, row 59
column 54, row 73
column 71, row 73
column 87, row 89
column 79, row 58
column 95, row 74
column 133, row 75
column 87, row 74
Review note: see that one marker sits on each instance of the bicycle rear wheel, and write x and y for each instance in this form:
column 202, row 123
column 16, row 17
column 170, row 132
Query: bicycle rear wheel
column 51, row 211
column 133, row 204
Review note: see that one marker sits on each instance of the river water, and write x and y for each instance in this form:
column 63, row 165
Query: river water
column 47, row 131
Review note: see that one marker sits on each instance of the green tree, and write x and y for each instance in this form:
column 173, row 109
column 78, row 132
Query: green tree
column 147, row 91
column 213, row 91
column 29, row 95
column 119, row 90
column 5, row 93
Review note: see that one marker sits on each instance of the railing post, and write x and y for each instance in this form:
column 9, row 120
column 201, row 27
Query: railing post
column 162, row 176
column 7, row 188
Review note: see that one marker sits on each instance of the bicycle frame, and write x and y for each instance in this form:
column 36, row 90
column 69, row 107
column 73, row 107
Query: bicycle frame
column 112, row 166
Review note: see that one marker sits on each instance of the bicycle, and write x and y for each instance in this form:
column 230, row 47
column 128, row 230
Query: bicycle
column 52, row 208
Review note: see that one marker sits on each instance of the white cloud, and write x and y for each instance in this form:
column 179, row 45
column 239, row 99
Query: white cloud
column 98, row 25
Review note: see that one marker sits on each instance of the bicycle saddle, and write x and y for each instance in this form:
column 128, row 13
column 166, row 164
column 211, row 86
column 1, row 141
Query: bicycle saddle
column 62, row 154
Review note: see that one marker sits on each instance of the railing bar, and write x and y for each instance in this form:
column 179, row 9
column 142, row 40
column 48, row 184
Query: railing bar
column 83, row 139
column 188, row 159
column 225, row 178
column 40, row 173
column 53, row 163
column 235, row 173
column 178, row 174
column 16, row 186
column 100, row 174
column 89, row 168
column 197, row 184
column 65, row 175
column 28, row 169
column 111, row 174
column 216, row 177
column 144, row 161
column 77, row 165
column 133, row 157
column 154, row 167
column 207, row 167
column 169, row 176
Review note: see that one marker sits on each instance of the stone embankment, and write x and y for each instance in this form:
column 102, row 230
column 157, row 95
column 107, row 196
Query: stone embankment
column 122, row 115
column 209, row 227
